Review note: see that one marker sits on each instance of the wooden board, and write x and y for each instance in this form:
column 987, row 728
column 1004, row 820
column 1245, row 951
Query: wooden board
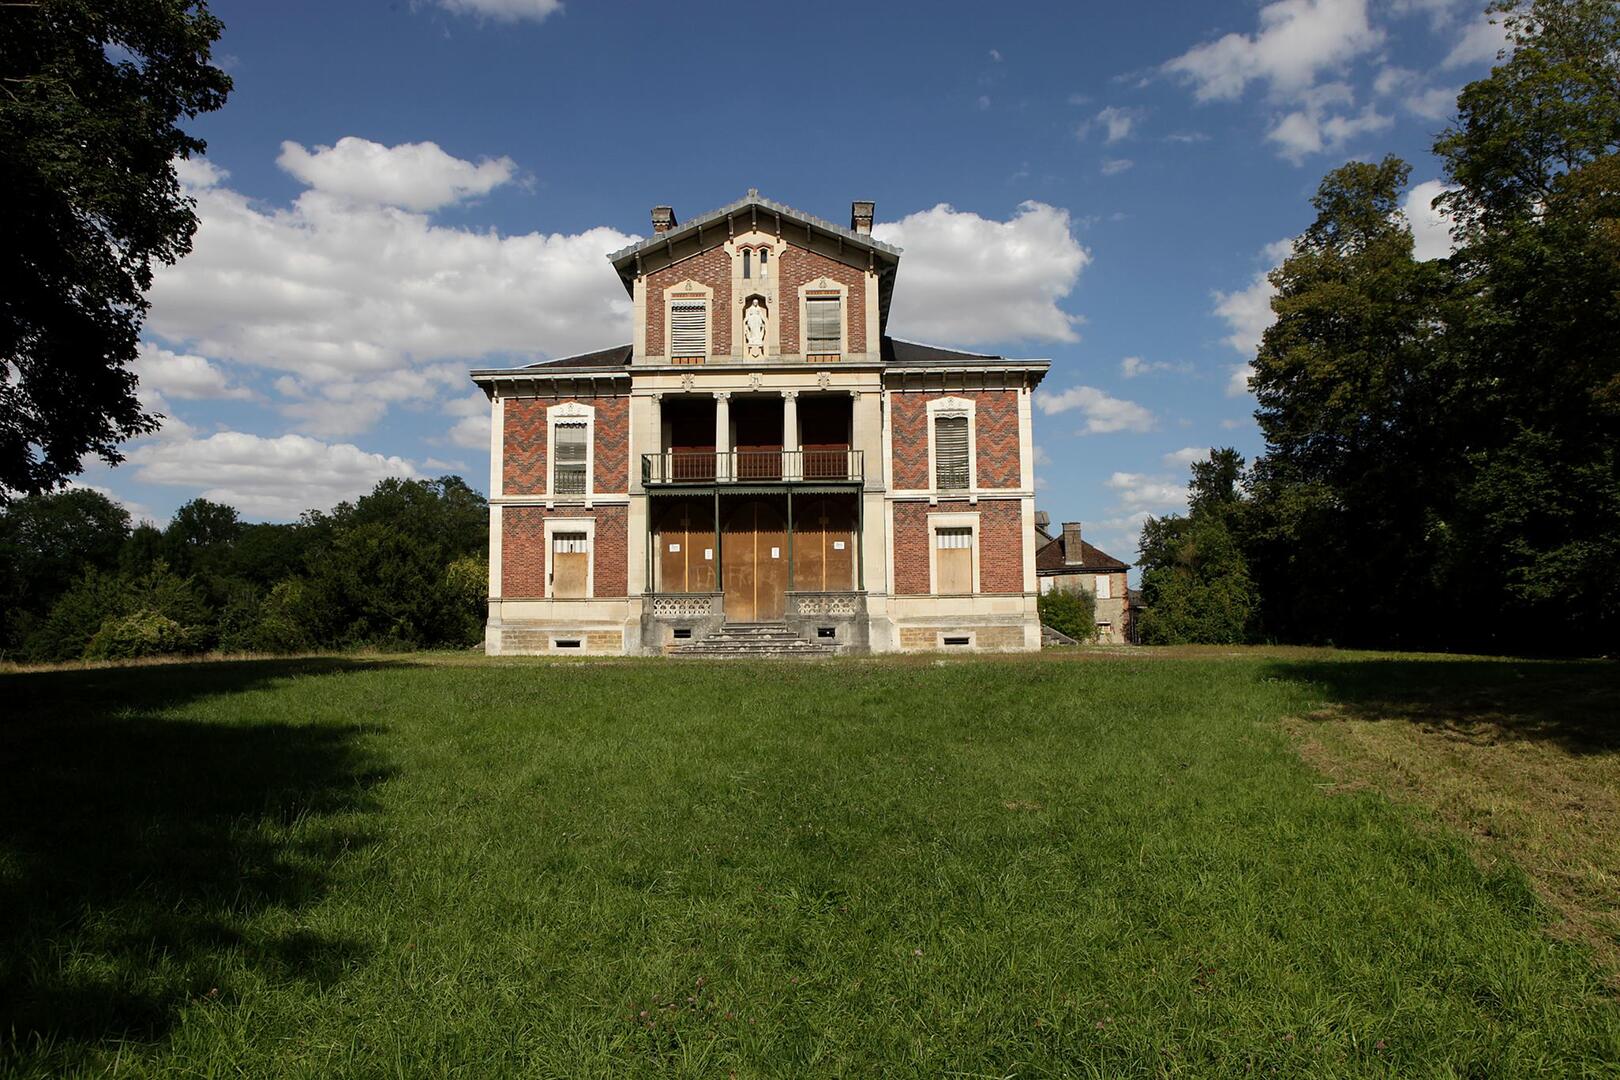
column 824, row 546
column 755, row 557
column 686, row 556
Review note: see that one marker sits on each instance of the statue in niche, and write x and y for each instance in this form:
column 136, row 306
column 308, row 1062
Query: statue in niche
column 754, row 320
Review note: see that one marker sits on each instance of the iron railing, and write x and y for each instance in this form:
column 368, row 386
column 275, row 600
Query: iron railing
column 744, row 466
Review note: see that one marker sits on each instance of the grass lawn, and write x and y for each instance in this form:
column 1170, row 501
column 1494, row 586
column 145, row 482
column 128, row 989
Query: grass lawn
column 1219, row 864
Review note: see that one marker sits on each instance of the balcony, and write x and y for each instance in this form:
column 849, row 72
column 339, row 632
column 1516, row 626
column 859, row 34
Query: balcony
column 678, row 467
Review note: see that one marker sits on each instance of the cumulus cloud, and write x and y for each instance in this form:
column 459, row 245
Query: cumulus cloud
column 971, row 279
column 1247, row 313
column 1295, row 42
column 359, row 304
column 416, row 176
column 1134, row 366
column 183, row 375
column 1186, row 456
column 271, row 478
column 1431, row 228
column 1140, row 492
column 1316, row 127
column 504, row 10
column 1115, row 121
column 1480, row 42
column 471, row 429
column 1104, row 414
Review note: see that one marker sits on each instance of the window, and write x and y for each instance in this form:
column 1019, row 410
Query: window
column 568, row 469
column 689, row 332
column 953, row 561
column 1105, row 587
column 764, row 260
column 951, row 453
column 748, row 263
column 825, row 330
column 570, row 565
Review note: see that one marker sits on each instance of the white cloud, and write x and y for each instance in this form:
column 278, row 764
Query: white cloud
column 471, row 429
column 1104, row 413
column 1116, row 122
column 995, row 56
column 1247, row 313
column 1434, row 103
column 362, row 304
column 1139, row 492
column 1315, row 128
column 1296, row 40
column 1185, row 456
column 199, row 173
column 1480, row 42
column 1134, row 366
column 138, row 512
column 1431, row 229
column 1187, row 137
column 972, row 280
column 272, row 478
column 416, row 176
column 504, row 10
column 1114, row 166
column 183, row 375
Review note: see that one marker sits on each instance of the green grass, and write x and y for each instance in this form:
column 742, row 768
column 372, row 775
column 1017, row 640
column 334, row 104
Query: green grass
column 1030, row 867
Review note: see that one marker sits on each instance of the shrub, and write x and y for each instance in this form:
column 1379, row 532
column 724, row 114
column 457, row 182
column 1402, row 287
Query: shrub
column 1071, row 613
column 145, row 633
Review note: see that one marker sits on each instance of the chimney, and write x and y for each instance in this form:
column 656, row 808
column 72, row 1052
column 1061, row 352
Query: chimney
column 860, row 216
column 1071, row 543
column 663, row 218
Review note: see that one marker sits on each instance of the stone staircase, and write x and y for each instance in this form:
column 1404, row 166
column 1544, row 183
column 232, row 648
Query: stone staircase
column 752, row 641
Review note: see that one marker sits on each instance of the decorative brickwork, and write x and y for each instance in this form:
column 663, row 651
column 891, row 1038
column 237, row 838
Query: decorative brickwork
column 799, row 266
column 1001, row 544
column 711, row 268
column 523, row 549
column 524, row 465
column 995, row 430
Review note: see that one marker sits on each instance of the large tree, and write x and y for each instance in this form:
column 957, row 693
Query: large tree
column 91, row 96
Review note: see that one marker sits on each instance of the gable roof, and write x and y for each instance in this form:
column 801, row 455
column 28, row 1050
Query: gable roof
column 617, row 356
column 753, row 200
column 1053, row 558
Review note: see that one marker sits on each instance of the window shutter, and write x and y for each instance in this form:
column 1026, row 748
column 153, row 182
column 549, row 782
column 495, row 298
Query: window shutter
column 569, row 543
column 958, row 539
column 568, row 471
column 824, row 333
column 688, row 332
column 1104, row 584
column 951, row 453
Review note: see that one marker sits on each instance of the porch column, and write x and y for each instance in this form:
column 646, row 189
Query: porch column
column 722, row 434
column 791, row 469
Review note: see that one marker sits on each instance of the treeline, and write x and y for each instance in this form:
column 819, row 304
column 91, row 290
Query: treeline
column 1442, row 460
column 403, row 567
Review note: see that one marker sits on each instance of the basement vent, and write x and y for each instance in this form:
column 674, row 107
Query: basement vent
column 826, row 631
column 681, row 633
column 962, row 640
column 565, row 643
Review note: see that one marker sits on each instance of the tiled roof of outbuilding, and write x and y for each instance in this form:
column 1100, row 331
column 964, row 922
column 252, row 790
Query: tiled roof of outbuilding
column 1052, row 558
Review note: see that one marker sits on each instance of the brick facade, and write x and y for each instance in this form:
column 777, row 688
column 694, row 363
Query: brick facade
column 798, row 267
column 523, row 468
column 711, row 268
column 995, row 433
column 1001, row 544
column 523, row 549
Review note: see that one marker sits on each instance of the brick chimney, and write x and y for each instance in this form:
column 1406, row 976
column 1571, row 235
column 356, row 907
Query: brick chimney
column 1071, row 543
column 663, row 218
column 860, row 216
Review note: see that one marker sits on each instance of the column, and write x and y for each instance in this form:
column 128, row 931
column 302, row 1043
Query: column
column 792, row 465
column 722, row 434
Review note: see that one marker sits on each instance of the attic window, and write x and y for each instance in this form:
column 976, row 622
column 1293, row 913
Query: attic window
column 764, row 260
column 951, row 453
column 825, row 331
column 748, row 263
column 689, row 328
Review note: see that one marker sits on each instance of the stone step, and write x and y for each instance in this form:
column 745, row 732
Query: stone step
column 752, row 640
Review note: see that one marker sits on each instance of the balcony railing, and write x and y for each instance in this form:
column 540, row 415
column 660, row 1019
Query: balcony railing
column 744, row 466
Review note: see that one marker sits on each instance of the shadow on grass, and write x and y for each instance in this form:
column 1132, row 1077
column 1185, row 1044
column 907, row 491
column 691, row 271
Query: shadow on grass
column 137, row 848
column 1575, row 704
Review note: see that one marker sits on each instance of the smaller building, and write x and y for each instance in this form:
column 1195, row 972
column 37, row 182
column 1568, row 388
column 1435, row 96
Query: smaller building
column 1066, row 563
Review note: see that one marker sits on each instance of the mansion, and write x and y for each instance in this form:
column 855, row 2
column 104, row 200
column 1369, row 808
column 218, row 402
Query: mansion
column 762, row 463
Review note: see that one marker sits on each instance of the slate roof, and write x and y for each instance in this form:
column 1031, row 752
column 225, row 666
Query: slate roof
column 895, row 352
column 617, row 356
column 753, row 198
column 1051, row 558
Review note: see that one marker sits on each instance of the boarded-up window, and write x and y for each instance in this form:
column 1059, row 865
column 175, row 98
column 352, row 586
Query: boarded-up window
column 953, row 561
column 1105, row 587
column 570, row 564
column 825, row 329
column 689, row 327
column 568, row 467
column 951, row 453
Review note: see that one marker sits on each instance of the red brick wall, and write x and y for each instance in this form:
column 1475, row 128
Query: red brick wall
column 712, row 268
column 995, row 433
column 523, row 465
column 523, row 549
column 799, row 266
column 1001, row 544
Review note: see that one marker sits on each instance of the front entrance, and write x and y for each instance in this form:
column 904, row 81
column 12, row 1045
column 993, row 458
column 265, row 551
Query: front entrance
column 754, row 562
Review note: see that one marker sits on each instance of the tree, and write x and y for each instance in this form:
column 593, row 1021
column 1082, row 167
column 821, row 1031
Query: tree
column 1195, row 579
column 46, row 543
column 1070, row 612
column 93, row 94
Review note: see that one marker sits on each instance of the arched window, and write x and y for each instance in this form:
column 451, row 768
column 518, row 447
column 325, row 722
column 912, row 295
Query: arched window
column 748, row 269
column 764, row 260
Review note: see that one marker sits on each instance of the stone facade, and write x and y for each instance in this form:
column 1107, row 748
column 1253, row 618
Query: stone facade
column 847, row 431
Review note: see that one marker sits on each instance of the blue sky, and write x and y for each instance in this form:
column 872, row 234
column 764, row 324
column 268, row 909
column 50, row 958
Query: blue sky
column 396, row 192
